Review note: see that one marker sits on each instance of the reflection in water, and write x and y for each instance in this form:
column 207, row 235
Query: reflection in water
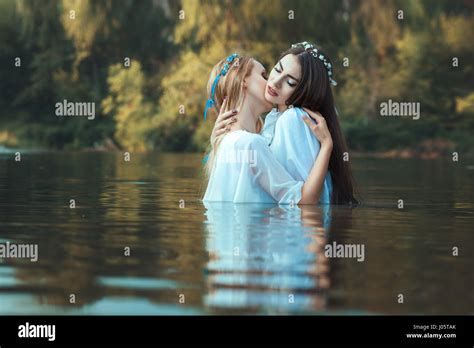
column 230, row 259
column 81, row 250
column 267, row 257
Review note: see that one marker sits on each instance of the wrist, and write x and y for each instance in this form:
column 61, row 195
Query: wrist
column 327, row 145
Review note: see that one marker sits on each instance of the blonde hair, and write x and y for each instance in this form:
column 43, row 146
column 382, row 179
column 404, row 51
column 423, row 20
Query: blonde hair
column 230, row 86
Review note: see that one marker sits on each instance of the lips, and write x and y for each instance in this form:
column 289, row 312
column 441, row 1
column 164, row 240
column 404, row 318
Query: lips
column 272, row 92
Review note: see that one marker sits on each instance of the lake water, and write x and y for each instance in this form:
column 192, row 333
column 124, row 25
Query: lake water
column 140, row 241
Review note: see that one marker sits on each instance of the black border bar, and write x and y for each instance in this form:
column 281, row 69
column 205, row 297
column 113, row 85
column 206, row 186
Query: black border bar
column 223, row 330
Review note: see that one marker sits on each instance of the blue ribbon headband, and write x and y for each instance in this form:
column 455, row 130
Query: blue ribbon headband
column 211, row 102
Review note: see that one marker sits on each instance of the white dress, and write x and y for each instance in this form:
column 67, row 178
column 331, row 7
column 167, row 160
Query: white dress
column 246, row 171
column 294, row 145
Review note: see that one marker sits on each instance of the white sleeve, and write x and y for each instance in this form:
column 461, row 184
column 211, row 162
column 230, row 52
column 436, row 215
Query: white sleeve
column 297, row 148
column 271, row 175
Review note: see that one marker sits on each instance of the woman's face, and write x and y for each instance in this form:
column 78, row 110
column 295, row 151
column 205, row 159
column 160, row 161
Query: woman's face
column 283, row 79
column 256, row 84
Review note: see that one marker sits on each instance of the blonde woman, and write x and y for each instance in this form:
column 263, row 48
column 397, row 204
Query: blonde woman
column 241, row 166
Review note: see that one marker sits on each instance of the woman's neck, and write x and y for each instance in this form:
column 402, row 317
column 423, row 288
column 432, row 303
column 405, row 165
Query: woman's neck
column 247, row 117
column 282, row 107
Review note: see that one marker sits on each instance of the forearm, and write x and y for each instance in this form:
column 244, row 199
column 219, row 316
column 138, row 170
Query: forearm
column 313, row 186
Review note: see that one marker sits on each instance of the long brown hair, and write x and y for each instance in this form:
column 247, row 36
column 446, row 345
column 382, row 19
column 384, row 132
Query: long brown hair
column 313, row 91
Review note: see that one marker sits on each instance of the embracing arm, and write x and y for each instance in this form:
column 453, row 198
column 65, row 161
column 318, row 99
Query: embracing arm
column 223, row 121
column 274, row 178
column 313, row 186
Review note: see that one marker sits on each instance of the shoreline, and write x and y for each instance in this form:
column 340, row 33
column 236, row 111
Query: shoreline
column 420, row 153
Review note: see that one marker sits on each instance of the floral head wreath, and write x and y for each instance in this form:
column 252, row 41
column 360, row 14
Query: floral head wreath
column 211, row 102
column 311, row 49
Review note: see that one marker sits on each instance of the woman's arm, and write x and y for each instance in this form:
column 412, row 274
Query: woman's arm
column 224, row 119
column 277, row 182
column 313, row 186
column 296, row 147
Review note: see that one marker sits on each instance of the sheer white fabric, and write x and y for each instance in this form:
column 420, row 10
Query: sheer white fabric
column 295, row 146
column 246, row 171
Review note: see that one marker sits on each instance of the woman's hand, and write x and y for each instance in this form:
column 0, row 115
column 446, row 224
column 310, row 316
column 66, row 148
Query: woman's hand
column 313, row 186
column 223, row 121
column 320, row 129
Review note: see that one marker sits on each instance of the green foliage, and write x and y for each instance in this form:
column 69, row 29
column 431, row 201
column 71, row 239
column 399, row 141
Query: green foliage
column 126, row 104
column 157, row 102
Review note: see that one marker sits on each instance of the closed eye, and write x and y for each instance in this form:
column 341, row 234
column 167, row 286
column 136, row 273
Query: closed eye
column 288, row 82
